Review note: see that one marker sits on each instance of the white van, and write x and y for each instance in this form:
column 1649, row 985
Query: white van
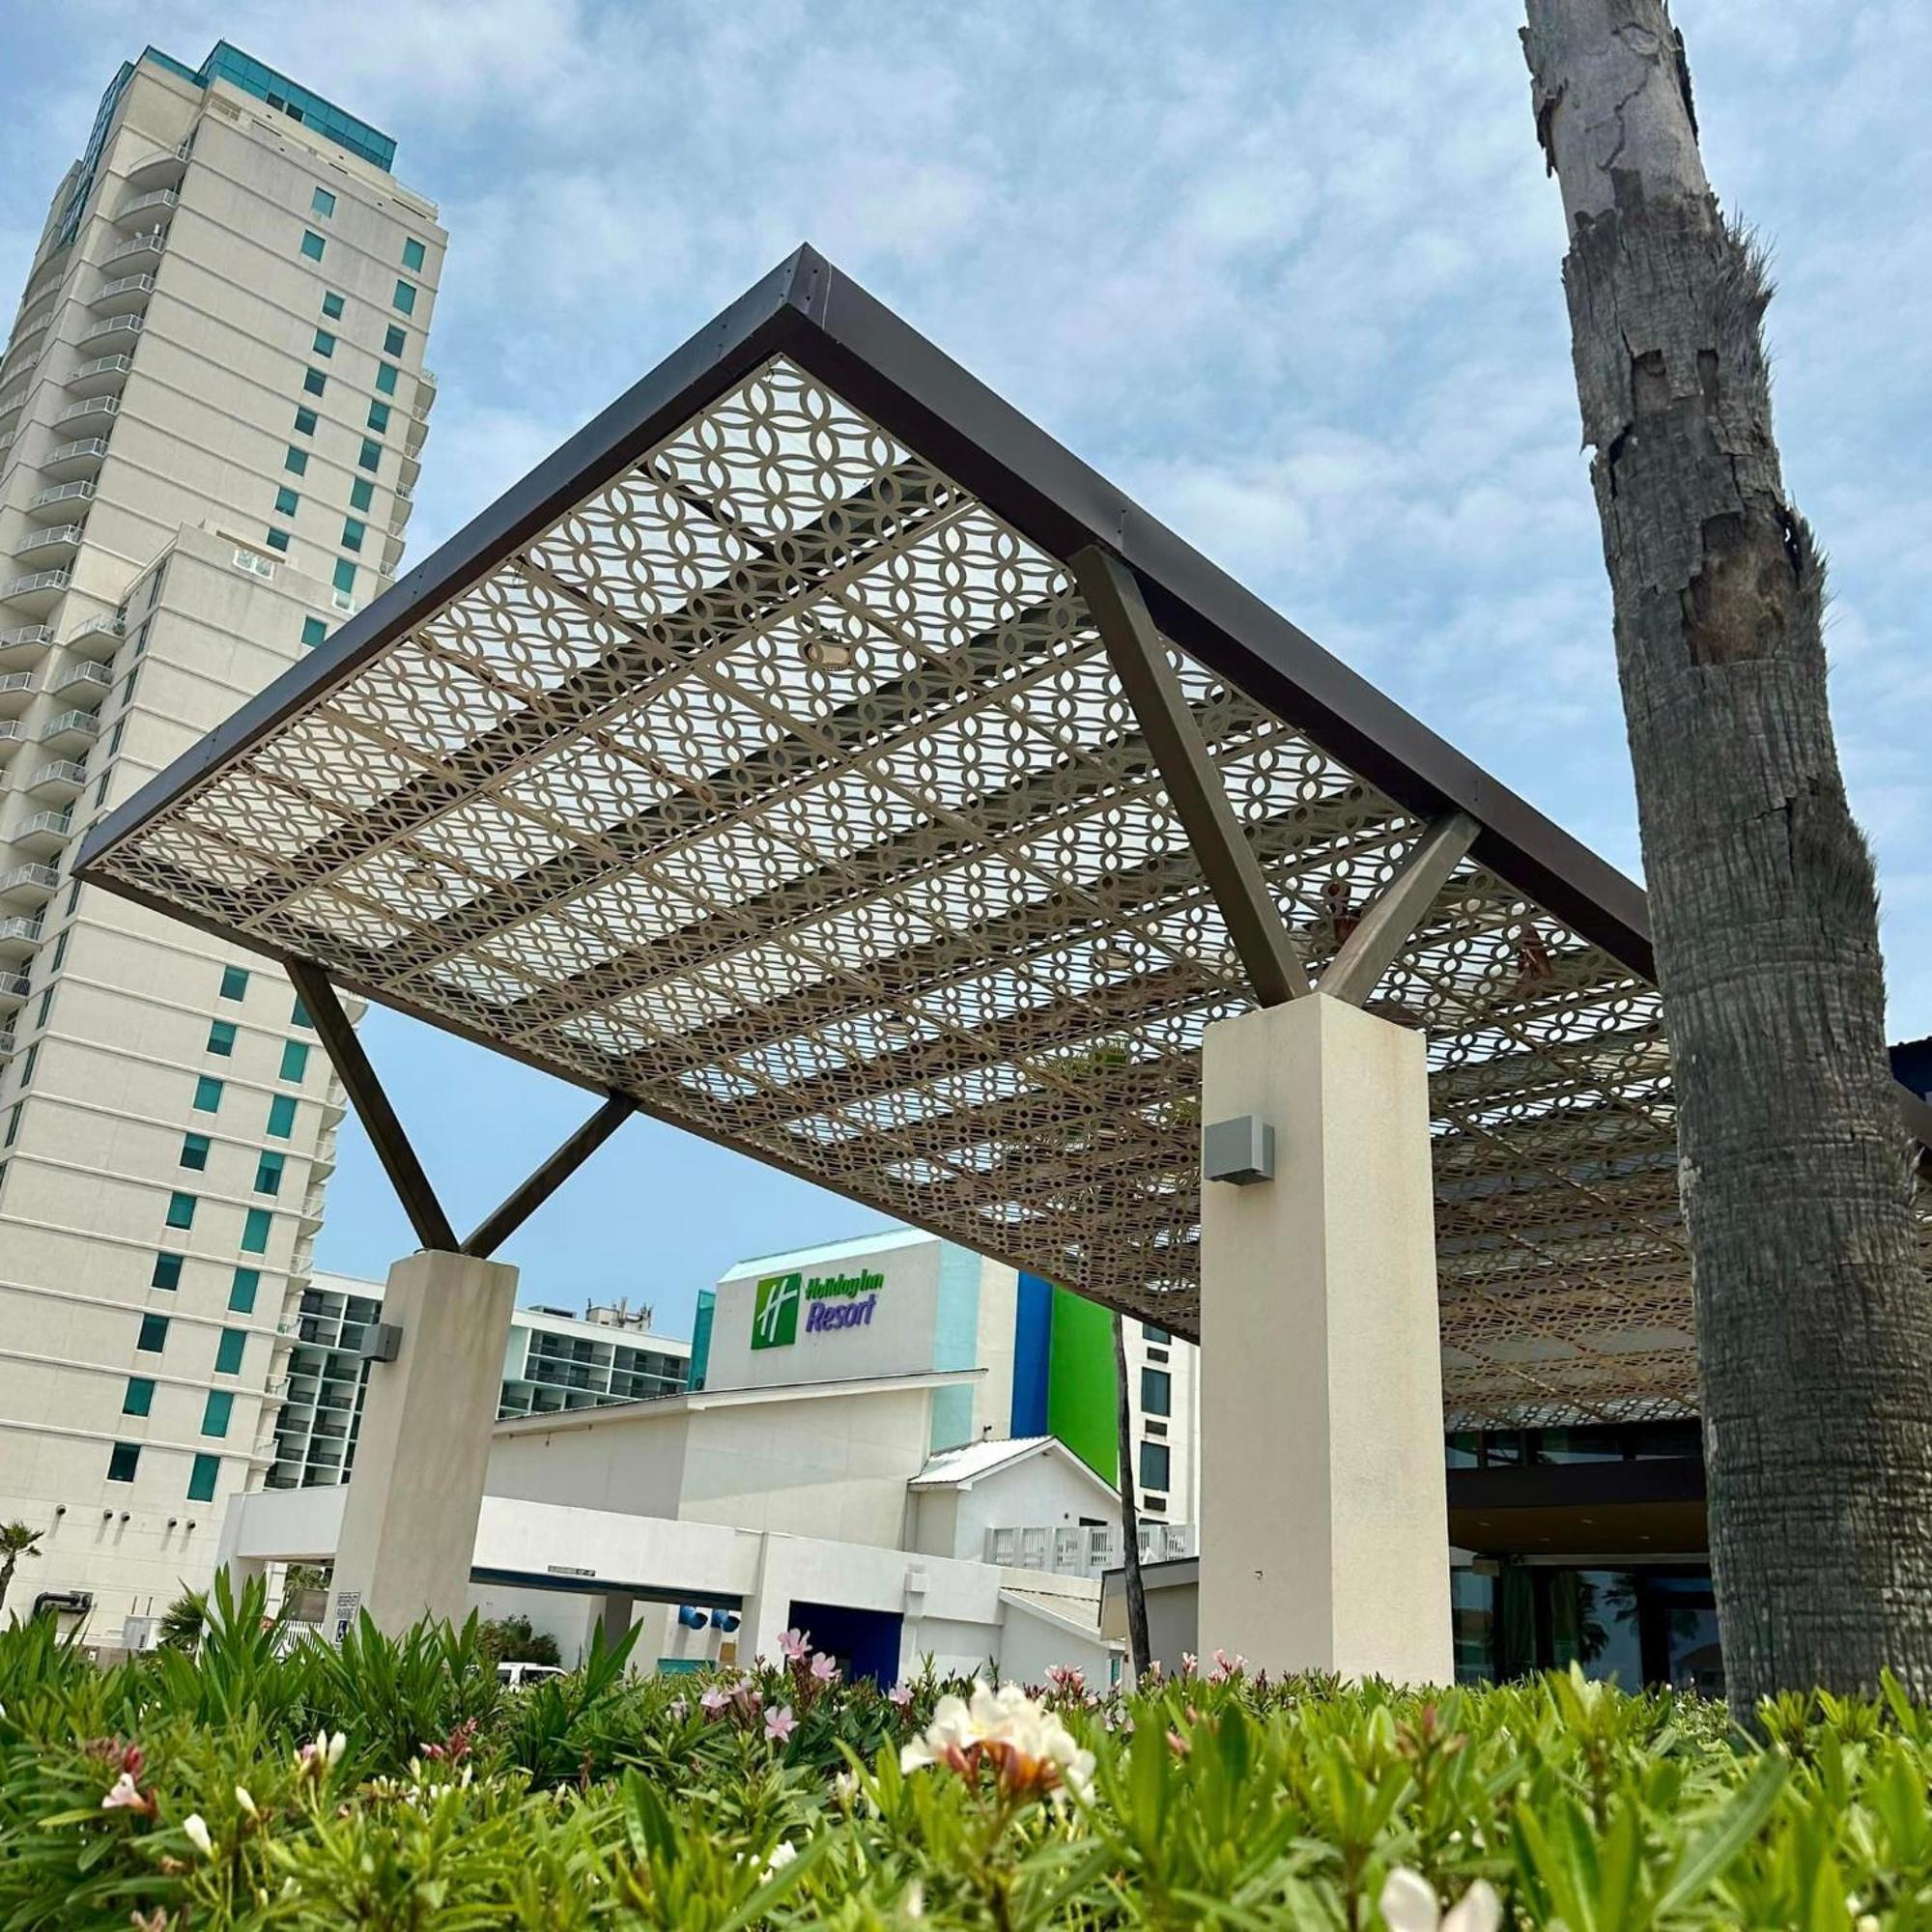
column 513, row 1676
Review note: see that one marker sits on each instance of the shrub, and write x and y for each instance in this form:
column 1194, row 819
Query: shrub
column 389, row 1783
column 513, row 1641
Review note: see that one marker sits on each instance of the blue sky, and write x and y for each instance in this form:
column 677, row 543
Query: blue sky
column 1289, row 274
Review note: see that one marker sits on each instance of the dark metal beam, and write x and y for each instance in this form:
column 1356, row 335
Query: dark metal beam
column 496, row 1228
column 1398, row 909
column 1193, row 780
column 372, row 1108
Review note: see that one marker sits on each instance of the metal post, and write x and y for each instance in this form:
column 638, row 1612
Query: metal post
column 1402, row 905
column 496, row 1228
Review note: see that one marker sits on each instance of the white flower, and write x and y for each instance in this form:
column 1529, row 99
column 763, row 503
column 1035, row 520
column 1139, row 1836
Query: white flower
column 195, row 1826
column 1032, row 1749
column 782, row 1853
column 247, row 1803
column 1408, row 1905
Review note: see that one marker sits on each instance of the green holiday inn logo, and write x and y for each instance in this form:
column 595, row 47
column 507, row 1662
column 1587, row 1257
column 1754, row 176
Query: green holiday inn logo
column 775, row 1313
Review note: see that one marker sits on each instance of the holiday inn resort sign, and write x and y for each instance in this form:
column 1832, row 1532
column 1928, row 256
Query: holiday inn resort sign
column 837, row 1301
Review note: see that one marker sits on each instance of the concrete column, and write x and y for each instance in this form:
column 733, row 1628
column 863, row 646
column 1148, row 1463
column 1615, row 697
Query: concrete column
column 409, row 1519
column 1325, row 1541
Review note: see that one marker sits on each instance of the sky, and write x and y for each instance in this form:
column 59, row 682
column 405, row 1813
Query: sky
column 1287, row 275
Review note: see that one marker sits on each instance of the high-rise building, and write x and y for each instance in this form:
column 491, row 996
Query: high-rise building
column 212, row 406
column 554, row 1361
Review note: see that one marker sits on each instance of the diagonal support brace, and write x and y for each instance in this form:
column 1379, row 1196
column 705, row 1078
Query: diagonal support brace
column 372, row 1108
column 1399, row 909
column 1193, row 781
column 496, row 1228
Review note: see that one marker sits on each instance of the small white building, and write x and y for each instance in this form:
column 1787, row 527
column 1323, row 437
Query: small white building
column 719, row 1518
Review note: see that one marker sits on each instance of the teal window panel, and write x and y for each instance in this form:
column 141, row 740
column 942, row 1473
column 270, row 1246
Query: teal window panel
column 305, row 421
column 312, row 245
column 283, row 1116
column 286, row 501
column 202, row 1477
column 181, row 1211
column 342, row 575
column 217, row 1411
column 294, row 461
column 123, row 1460
column 361, row 494
column 243, row 1289
column 138, row 1398
column 208, row 1091
column 194, row 1151
column 332, row 307
column 352, row 533
column 154, row 1335
column 278, row 540
column 387, row 374
column 324, row 342
column 314, row 381
column 379, row 417
column 294, row 1059
column 167, row 1271
column 228, row 1352
column 405, row 298
column 393, row 340
column 255, row 1232
column 412, row 254
column 314, row 632
column 221, row 1037
column 268, row 1173
column 321, row 203
column 370, row 456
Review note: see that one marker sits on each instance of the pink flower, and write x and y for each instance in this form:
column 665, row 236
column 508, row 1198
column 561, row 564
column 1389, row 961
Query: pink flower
column 779, row 1724
column 1187, row 1662
column 677, row 1710
column 901, row 1694
column 794, row 1643
column 125, row 1795
column 715, row 1699
column 823, row 1669
column 1067, row 1677
column 1229, row 1666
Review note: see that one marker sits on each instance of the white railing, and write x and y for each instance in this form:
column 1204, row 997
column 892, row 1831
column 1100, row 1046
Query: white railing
column 56, row 771
column 152, row 243
column 97, row 675
column 83, row 445
column 101, row 365
column 29, row 875
column 83, row 723
column 23, row 635
column 161, row 197
column 92, row 406
column 38, row 580
column 115, row 324
column 48, row 538
column 121, row 285
column 1084, row 1550
column 61, row 493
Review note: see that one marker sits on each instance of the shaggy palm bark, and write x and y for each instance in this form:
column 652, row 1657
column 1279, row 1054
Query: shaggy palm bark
column 1138, row 1651
column 1814, row 1329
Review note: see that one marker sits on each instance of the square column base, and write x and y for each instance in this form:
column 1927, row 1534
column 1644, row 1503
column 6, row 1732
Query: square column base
column 1324, row 1522
column 409, row 1522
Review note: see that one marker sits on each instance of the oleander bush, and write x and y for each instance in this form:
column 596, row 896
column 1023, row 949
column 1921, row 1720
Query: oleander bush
column 391, row 1783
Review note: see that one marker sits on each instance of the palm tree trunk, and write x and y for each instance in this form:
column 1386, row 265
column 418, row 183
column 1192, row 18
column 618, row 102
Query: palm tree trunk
column 1814, row 1329
column 1138, row 1649
column 7, row 1569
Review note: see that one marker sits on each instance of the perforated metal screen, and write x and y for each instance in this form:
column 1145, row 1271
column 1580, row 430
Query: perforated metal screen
column 776, row 778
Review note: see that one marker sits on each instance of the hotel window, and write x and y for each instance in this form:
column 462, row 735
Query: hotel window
column 167, row 1271
column 379, row 417
column 1149, row 1333
column 361, row 494
column 295, row 1060
column 139, row 1397
column 406, row 297
column 241, row 1290
column 1155, row 1461
column 392, row 342
column 13, row 1124
column 305, row 420
column 332, row 307
column 1156, row 1392
column 314, row 381
column 343, row 576
column 200, row 1479
column 123, row 1460
column 233, row 982
column 221, row 1037
column 255, row 1232
column 294, row 461
column 228, row 1352
column 371, row 456
column 312, row 245
column 283, row 1116
column 322, row 201
column 298, row 1014
column 154, row 1336
column 314, row 632
column 269, row 1174
column 352, row 533
column 28, row 1062
column 60, row 950
column 216, row 1411
column 413, row 255
column 385, row 378
column 286, row 501
column 181, row 1211
column 278, row 539
column 194, row 1151
column 325, row 343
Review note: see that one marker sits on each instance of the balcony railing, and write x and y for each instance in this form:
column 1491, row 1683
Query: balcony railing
column 1084, row 1550
column 98, row 637
column 81, row 725
column 92, row 406
column 59, row 492
column 103, row 376
column 44, row 833
column 42, row 588
column 123, row 325
column 54, row 536
column 95, row 677
column 149, row 243
column 123, row 295
column 25, row 644
column 83, row 455
column 58, row 778
column 16, row 690
column 12, row 399
column 13, row 988
column 28, row 885
column 163, row 199
column 19, row 935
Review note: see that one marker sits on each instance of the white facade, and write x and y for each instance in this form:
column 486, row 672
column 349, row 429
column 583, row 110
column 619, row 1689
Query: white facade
column 554, row 1362
column 212, row 410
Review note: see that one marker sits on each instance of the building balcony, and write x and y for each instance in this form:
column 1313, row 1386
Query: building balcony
column 145, row 211
column 411, row 475
column 58, row 779
column 23, row 645
column 103, row 376
column 19, row 935
column 16, row 690
column 54, row 543
column 1084, row 1550
column 58, row 498
column 163, row 169
column 11, row 733
column 94, row 409
column 98, row 638
column 13, row 990
column 45, row 833
column 124, row 294
column 416, row 432
column 82, row 457
column 114, row 332
column 35, row 594
column 12, row 399
column 71, row 731
column 28, row 885
column 51, row 272
column 6, row 1044
column 33, row 322
column 146, row 247
column 86, row 680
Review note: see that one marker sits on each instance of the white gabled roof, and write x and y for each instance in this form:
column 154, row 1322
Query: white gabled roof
column 960, row 1468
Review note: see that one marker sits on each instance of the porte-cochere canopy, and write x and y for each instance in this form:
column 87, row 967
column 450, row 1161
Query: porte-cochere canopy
column 757, row 758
